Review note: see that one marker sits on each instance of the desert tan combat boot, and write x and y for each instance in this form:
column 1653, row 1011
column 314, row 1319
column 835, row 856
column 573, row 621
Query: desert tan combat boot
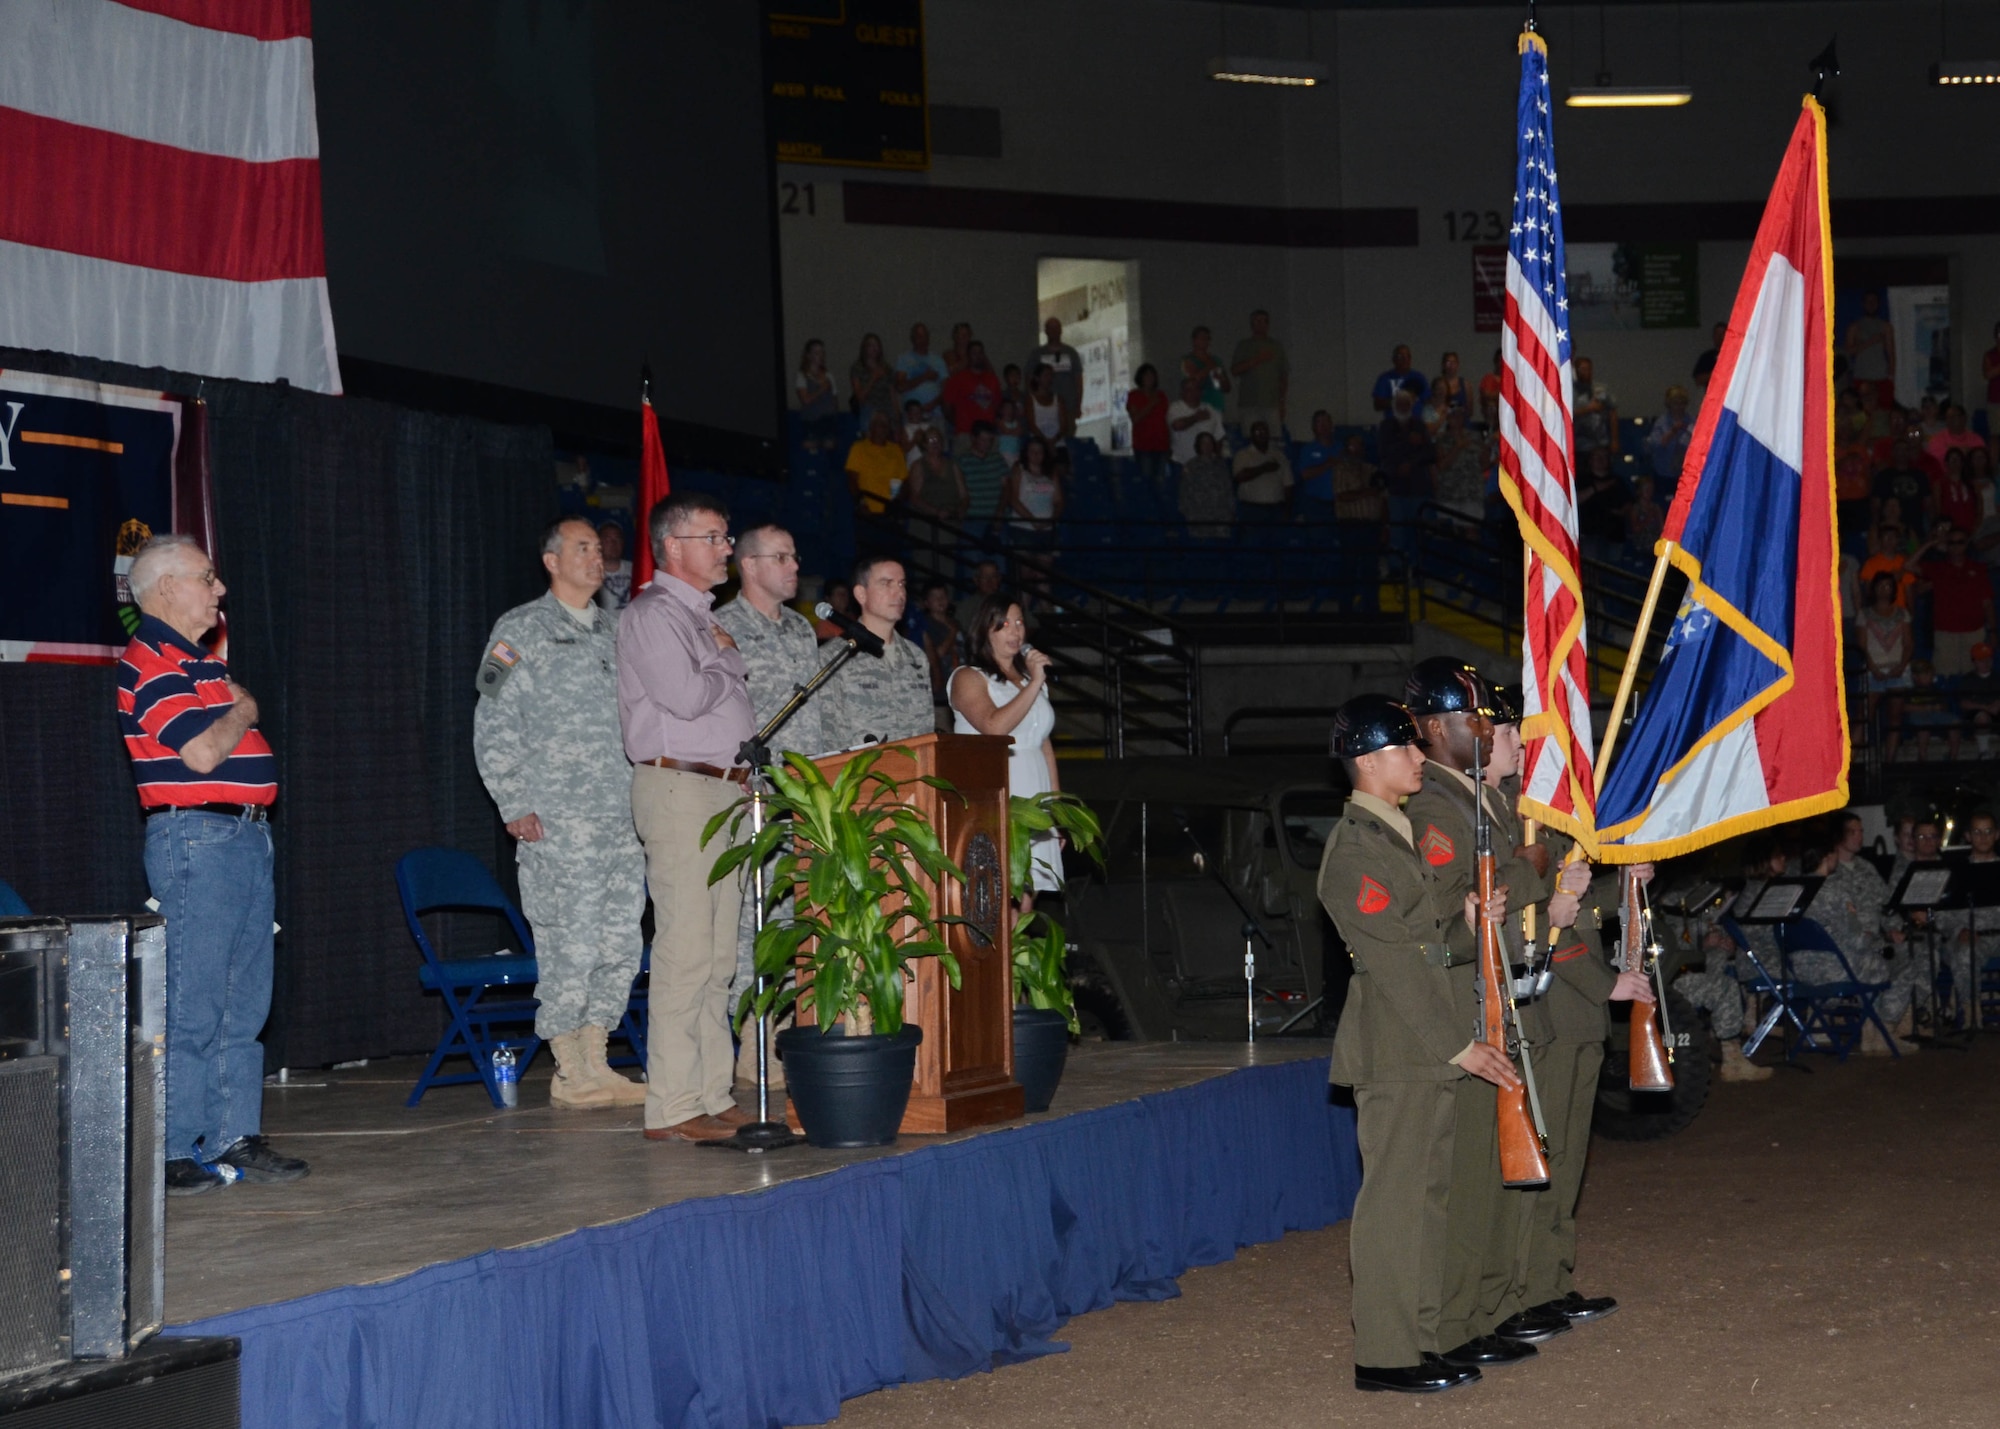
column 573, row 1087
column 1738, row 1068
column 619, row 1089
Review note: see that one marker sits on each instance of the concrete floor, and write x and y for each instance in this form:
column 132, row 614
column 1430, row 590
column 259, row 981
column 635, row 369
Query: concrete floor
column 1818, row 1249
column 394, row 1189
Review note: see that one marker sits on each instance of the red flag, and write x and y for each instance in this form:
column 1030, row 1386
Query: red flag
column 653, row 487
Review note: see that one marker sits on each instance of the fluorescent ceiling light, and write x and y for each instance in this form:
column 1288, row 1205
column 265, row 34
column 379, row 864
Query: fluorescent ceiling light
column 1629, row 96
column 1242, row 69
column 1966, row 72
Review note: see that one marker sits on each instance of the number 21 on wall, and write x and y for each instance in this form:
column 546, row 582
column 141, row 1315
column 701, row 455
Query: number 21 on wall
column 1467, row 226
column 797, row 199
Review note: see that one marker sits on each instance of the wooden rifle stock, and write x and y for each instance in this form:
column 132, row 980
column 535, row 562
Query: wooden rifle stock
column 1649, row 1069
column 1522, row 1161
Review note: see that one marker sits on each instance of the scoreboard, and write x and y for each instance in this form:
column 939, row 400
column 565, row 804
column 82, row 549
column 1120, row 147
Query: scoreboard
column 845, row 82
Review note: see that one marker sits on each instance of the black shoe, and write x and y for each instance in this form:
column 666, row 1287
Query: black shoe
column 252, row 1158
column 1577, row 1308
column 1488, row 1350
column 188, row 1177
column 1427, row 1377
column 1533, row 1326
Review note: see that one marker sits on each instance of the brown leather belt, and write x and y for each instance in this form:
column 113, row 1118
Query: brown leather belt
column 738, row 775
column 259, row 812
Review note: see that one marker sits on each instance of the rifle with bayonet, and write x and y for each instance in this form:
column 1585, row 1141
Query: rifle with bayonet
column 1524, row 1162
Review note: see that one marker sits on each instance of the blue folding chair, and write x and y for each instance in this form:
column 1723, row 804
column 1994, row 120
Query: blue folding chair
column 439, row 880
column 1766, row 982
column 12, row 905
column 1839, row 1009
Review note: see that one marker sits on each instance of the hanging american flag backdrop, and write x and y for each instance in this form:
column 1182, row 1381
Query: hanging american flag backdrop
column 1538, row 479
column 162, row 204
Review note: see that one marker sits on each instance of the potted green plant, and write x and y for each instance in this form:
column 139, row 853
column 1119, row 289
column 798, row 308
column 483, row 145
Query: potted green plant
column 844, row 849
column 1044, row 1006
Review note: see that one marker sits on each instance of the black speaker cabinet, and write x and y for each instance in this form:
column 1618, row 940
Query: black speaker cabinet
column 167, row 1383
column 83, row 1121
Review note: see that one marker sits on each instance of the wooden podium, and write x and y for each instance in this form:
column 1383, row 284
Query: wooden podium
column 965, row 1064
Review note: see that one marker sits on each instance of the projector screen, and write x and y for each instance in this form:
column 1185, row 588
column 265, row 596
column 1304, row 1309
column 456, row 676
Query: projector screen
column 540, row 194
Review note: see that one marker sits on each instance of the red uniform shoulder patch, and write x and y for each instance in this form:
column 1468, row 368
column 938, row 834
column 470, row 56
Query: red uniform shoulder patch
column 1372, row 898
column 1436, row 846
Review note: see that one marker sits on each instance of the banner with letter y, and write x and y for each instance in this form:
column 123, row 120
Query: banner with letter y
column 1745, row 724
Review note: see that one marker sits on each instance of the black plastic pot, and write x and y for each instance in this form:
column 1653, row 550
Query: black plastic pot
column 849, row 1091
column 1041, row 1046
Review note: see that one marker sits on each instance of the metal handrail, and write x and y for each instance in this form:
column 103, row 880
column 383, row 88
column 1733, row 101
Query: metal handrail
column 1133, row 644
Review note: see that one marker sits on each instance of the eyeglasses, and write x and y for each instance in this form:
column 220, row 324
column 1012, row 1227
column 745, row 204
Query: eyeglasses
column 713, row 538
column 206, row 577
column 783, row 558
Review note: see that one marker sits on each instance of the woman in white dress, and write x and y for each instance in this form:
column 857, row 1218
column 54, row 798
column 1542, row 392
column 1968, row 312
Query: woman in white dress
column 1004, row 690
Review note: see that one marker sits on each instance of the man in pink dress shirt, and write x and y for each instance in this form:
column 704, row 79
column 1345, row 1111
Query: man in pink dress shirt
column 684, row 705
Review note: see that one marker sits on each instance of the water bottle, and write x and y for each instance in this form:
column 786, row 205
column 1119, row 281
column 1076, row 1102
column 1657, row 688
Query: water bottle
column 507, row 1076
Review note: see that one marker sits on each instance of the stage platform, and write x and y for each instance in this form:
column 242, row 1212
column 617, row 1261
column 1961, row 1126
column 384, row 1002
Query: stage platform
column 452, row 1264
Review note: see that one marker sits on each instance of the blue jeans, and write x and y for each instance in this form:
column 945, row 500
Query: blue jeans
column 212, row 877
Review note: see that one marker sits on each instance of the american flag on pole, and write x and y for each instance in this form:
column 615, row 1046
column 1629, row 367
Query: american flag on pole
column 1538, row 480
column 162, row 203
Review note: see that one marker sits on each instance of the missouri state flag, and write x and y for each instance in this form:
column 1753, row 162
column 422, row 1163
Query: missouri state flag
column 1745, row 724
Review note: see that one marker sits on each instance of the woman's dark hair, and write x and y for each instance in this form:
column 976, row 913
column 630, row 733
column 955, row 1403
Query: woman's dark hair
column 806, row 352
column 1139, row 377
column 1036, row 439
column 1875, row 585
column 988, row 617
column 866, row 338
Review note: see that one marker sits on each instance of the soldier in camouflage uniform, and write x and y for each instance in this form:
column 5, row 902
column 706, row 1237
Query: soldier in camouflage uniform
column 547, row 742
column 1849, row 906
column 780, row 654
column 1718, row 990
column 887, row 698
column 1721, row 987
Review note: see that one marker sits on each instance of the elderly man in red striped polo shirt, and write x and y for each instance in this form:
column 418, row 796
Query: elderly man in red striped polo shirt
column 206, row 780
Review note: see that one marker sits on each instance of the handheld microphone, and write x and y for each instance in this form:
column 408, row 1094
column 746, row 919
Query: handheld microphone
column 1048, row 675
column 864, row 639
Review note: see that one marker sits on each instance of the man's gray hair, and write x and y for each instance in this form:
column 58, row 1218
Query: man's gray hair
column 671, row 511
column 552, row 537
column 156, row 559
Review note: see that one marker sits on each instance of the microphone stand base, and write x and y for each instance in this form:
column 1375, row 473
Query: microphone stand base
column 757, row 1137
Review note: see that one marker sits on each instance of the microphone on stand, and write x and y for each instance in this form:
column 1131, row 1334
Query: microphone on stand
column 864, row 639
column 1048, row 675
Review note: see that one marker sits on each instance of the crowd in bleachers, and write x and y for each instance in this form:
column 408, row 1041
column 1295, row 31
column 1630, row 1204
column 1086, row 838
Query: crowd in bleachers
column 1920, row 561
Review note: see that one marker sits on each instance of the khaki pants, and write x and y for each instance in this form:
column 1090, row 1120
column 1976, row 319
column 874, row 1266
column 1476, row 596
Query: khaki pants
column 1396, row 1240
column 690, row 1058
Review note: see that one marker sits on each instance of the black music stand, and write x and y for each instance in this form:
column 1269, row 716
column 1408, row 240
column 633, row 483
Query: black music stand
column 1925, row 888
column 1767, row 903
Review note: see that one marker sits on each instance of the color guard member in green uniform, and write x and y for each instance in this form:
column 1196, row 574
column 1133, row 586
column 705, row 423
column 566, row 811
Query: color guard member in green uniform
column 1571, row 1026
column 1402, row 1046
column 1453, row 707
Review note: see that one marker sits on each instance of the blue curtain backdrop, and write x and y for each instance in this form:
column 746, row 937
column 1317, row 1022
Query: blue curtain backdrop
column 771, row 1308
